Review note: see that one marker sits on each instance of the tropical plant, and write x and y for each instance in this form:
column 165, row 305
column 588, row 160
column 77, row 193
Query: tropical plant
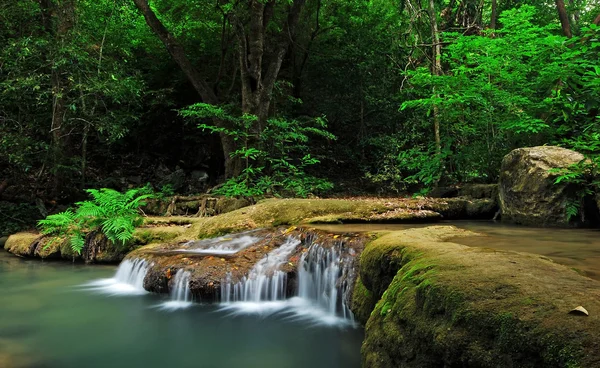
column 275, row 160
column 114, row 213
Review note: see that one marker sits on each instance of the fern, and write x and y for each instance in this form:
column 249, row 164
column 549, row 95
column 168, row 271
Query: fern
column 116, row 214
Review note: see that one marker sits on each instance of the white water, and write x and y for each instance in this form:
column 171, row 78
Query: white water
column 228, row 244
column 324, row 276
column 181, row 297
column 128, row 280
column 265, row 282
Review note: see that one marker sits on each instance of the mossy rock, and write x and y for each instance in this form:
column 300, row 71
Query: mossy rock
column 276, row 212
column 455, row 306
column 528, row 192
column 20, row 244
column 207, row 271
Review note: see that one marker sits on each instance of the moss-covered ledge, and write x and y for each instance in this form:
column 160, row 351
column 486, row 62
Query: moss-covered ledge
column 432, row 303
column 97, row 248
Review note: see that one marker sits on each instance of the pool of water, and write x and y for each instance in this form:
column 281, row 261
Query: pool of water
column 48, row 319
column 576, row 248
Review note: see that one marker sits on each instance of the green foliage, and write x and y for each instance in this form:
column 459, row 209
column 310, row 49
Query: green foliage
column 515, row 86
column 584, row 176
column 114, row 213
column 275, row 159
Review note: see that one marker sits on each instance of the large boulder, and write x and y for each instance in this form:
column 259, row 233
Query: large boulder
column 527, row 192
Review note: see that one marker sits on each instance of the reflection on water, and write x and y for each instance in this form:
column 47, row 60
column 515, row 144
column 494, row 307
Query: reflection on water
column 576, row 248
column 48, row 320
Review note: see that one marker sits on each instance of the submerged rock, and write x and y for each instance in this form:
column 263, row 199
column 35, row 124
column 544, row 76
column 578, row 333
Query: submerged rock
column 528, row 194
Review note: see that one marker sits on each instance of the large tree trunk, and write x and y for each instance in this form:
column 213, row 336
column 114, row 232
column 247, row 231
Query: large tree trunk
column 436, row 69
column 258, row 75
column 65, row 20
column 232, row 164
column 564, row 17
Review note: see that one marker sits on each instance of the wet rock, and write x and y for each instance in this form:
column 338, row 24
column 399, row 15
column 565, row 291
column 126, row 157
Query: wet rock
column 207, row 271
column 98, row 249
column 527, row 192
column 225, row 205
column 479, row 191
column 461, row 208
column 430, row 303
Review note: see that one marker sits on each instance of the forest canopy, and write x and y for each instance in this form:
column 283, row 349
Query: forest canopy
column 292, row 98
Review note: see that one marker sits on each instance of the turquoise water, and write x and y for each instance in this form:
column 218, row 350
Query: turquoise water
column 47, row 319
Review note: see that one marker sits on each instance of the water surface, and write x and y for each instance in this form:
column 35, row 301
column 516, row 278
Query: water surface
column 48, row 320
column 576, row 248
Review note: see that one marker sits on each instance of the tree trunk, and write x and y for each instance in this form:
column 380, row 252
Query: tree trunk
column 576, row 13
column 3, row 186
column 494, row 14
column 597, row 20
column 437, row 70
column 65, row 20
column 564, row 17
column 232, row 165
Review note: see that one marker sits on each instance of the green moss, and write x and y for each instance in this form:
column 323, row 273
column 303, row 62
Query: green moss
column 156, row 235
column 20, row 243
column 458, row 306
column 363, row 301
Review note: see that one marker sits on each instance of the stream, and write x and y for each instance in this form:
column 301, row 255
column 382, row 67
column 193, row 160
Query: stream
column 49, row 318
column 62, row 315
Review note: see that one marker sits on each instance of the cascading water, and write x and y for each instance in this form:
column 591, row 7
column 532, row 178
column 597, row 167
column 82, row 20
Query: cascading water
column 228, row 244
column 128, row 280
column 325, row 276
column 265, row 282
column 181, row 297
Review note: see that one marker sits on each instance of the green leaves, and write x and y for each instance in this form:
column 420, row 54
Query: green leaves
column 116, row 214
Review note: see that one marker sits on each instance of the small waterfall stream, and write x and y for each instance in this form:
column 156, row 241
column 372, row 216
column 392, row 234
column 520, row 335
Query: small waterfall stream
column 325, row 276
column 321, row 285
column 180, row 295
column 128, row 280
column 265, row 282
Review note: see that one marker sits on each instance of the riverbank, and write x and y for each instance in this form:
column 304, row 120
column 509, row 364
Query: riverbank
column 427, row 301
column 423, row 299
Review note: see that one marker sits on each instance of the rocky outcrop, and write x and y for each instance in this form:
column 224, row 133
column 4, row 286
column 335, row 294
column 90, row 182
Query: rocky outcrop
column 97, row 249
column 528, row 194
column 266, row 213
column 430, row 303
column 207, row 270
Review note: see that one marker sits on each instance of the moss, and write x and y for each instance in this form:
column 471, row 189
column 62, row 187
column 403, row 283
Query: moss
column 275, row 212
column 146, row 236
column 20, row 243
column 451, row 305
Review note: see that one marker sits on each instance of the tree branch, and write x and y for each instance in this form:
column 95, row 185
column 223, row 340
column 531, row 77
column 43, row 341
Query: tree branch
column 177, row 52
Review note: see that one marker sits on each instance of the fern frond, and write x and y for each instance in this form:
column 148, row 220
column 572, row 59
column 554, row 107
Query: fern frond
column 77, row 242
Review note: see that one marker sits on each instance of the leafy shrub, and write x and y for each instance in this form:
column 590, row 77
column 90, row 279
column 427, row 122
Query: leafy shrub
column 275, row 159
column 116, row 214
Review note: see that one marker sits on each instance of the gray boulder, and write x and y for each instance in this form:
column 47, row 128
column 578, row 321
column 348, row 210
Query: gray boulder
column 527, row 192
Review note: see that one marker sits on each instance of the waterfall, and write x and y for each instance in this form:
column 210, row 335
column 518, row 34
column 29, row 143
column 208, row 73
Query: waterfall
column 128, row 280
column 180, row 295
column 265, row 282
column 325, row 277
column 228, row 244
